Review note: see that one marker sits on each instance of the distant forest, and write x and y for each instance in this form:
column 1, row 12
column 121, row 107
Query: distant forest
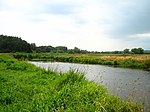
column 11, row 44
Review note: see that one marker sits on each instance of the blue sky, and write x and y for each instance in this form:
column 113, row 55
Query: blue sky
column 95, row 25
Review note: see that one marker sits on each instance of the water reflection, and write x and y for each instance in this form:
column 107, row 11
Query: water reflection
column 128, row 84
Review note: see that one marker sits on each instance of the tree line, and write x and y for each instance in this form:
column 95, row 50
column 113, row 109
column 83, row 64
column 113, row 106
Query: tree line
column 134, row 51
column 11, row 44
column 58, row 49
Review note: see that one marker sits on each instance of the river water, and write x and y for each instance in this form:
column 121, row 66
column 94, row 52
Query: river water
column 126, row 83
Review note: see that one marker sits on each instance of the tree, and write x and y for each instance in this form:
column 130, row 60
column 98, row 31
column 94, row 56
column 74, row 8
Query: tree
column 76, row 50
column 33, row 46
column 61, row 49
column 137, row 50
column 140, row 50
column 49, row 49
column 115, row 52
column 13, row 44
column 126, row 51
column 44, row 49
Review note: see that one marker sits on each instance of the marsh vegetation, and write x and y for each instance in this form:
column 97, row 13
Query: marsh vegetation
column 140, row 61
column 25, row 87
column 127, row 84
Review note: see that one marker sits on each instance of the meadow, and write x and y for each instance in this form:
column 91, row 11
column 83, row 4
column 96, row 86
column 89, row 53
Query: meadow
column 25, row 88
column 138, row 61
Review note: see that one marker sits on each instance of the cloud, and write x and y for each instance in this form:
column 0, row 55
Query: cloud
column 146, row 35
column 133, row 18
column 92, row 25
column 59, row 8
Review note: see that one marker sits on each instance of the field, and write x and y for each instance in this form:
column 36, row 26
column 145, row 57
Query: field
column 25, row 88
column 138, row 61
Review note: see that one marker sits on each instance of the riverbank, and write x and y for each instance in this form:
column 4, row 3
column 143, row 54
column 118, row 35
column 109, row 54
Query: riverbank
column 141, row 61
column 25, row 87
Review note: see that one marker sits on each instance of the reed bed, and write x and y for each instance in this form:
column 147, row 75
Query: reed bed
column 141, row 61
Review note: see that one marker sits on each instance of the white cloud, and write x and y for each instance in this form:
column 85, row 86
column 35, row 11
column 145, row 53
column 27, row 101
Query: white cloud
column 145, row 35
column 83, row 23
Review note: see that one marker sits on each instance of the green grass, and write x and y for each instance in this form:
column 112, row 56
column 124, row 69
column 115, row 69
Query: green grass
column 126, row 61
column 26, row 88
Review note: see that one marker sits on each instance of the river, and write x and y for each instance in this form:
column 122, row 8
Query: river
column 126, row 83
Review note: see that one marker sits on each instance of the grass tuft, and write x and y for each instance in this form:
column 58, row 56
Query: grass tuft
column 24, row 87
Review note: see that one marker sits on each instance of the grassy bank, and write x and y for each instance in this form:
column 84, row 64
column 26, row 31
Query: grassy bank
column 25, row 88
column 141, row 61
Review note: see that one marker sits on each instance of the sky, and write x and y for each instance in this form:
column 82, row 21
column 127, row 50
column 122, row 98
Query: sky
column 94, row 25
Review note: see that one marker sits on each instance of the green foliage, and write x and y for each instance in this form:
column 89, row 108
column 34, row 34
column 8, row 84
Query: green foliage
column 126, row 51
column 147, row 64
column 61, row 49
column 13, row 44
column 58, row 49
column 44, row 49
column 137, row 50
column 29, row 88
column 127, row 63
column 115, row 52
column 132, row 64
